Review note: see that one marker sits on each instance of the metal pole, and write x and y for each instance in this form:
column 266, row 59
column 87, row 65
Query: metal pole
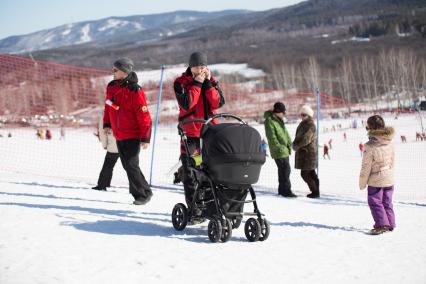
column 318, row 125
column 156, row 123
column 421, row 119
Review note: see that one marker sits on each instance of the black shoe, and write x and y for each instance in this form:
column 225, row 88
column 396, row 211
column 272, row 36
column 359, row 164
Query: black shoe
column 289, row 195
column 99, row 188
column 142, row 201
column 313, row 195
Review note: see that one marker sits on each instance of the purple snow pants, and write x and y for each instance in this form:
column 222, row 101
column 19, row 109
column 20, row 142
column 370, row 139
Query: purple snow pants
column 380, row 202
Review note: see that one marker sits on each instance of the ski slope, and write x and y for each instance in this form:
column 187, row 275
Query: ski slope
column 55, row 229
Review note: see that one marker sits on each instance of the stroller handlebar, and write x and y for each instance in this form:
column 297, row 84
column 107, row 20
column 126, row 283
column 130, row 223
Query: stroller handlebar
column 219, row 115
column 182, row 123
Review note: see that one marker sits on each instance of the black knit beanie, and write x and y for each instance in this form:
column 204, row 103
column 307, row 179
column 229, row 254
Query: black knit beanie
column 197, row 59
column 124, row 64
column 279, row 107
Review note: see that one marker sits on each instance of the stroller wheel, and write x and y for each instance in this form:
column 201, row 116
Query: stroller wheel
column 252, row 230
column 226, row 231
column 214, row 230
column 179, row 216
column 265, row 229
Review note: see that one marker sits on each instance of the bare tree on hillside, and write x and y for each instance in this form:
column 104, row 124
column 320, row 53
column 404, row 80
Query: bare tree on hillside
column 314, row 72
column 345, row 81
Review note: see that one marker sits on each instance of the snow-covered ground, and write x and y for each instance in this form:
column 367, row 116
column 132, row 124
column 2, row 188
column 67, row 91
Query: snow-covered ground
column 55, row 229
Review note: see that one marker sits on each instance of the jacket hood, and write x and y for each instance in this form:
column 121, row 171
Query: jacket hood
column 132, row 78
column 382, row 135
column 268, row 114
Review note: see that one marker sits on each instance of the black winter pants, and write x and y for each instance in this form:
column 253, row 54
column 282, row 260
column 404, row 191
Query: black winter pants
column 187, row 162
column 284, row 187
column 129, row 155
column 311, row 178
column 106, row 173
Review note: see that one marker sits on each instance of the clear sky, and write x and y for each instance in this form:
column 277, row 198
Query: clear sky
column 19, row 17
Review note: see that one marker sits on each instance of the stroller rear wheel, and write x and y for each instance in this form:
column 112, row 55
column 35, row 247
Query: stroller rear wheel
column 214, row 230
column 265, row 229
column 179, row 216
column 226, row 231
column 252, row 230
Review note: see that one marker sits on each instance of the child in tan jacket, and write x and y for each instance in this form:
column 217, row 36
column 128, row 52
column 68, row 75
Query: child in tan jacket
column 377, row 174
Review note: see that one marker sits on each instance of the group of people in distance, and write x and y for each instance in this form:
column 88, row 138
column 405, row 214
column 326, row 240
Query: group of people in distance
column 126, row 128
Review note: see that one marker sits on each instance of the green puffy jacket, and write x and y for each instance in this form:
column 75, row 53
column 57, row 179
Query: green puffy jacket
column 278, row 137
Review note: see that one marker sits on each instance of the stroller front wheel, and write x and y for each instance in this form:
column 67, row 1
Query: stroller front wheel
column 252, row 230
column 179, row 216
column 265, row 229
column 214, row 230
column 226, row 231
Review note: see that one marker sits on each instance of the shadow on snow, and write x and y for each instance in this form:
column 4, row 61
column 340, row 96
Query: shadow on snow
column 144, row 227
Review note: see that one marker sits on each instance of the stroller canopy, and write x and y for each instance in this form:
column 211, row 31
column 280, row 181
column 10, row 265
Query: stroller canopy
column 231, row 143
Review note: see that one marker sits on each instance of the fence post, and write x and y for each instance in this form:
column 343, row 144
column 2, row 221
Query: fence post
column 317, row 91
column 156, row 123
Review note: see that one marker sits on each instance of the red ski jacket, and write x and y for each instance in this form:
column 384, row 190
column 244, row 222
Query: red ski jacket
column 126, row 110
column 197, row 100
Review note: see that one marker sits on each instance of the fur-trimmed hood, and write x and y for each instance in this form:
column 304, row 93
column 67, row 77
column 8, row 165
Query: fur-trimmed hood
column 383, row 135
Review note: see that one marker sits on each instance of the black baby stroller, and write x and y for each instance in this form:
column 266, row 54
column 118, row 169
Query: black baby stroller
column 232, row 157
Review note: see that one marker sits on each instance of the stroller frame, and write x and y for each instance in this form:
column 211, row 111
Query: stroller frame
column 221, row 222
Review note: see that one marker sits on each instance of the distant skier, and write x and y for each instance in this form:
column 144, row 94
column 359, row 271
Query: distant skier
column 48, row 134
column 329, row 143
column 326, row 152
column 62, row 132
column 345, row 137
column 361, row 147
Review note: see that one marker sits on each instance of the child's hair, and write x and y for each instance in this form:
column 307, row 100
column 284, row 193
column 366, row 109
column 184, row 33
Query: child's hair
column 375, row 122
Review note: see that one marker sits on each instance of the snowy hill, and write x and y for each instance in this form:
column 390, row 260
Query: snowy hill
column 155, row 27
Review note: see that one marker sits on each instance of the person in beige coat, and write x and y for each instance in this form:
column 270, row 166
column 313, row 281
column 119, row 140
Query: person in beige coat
column 108, row 143
column 377, row 173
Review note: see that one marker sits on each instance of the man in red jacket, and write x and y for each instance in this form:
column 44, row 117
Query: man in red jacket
column 126, row 112
column 199, row 96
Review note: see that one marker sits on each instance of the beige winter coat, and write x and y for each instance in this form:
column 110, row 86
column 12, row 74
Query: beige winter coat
column 108, row 141
column 378, row 159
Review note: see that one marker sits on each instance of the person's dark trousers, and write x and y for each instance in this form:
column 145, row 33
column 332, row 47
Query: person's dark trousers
column 311, row 178
column 187, row 163
column 106, row 173
column 284, row 187
column 129, row 155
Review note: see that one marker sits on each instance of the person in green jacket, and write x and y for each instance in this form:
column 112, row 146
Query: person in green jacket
column 279, row 146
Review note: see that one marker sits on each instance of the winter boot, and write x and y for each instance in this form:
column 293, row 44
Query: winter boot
column 314, row 194
column 99, row 188
column 142, row 201
column 289, row 195
column 379, row 230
